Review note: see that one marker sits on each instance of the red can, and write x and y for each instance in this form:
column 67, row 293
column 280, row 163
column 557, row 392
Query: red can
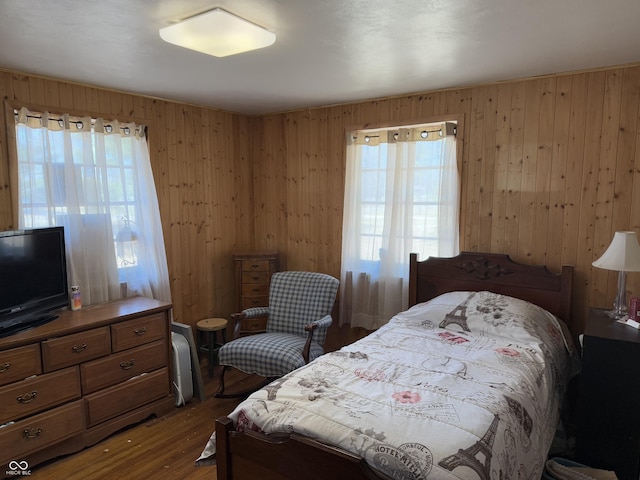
column 634, row 309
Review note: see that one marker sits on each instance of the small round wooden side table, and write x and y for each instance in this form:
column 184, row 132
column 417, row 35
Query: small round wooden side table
column 209, row 327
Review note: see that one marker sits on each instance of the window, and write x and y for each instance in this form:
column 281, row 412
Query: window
column 401, row 196
column 94, row 178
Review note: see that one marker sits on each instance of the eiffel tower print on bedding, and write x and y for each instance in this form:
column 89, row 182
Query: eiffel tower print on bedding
column 465, row 386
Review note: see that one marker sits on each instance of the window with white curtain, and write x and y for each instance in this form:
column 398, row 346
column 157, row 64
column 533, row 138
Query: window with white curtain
column 402, row 196
column 94, row 177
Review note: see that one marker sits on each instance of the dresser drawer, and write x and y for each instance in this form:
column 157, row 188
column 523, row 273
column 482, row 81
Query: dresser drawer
column 76, row 348
column 255, row 289
column 133, row 393
column 38, row 393
column 255, row 265
column 34, row 433
column 19, row 363
column 253, row 325
column 118, row 367
column 256, row 277
column 139, row 331
column 250, row 302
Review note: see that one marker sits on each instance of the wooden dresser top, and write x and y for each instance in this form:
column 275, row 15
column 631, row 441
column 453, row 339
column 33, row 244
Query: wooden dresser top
column 87, row 317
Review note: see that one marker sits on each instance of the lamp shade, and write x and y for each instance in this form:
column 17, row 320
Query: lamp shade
column 218, row 33
column 622, row 255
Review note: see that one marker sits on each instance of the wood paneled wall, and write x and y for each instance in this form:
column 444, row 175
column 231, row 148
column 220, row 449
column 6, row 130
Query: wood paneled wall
column 202, row 170
column 550, row 169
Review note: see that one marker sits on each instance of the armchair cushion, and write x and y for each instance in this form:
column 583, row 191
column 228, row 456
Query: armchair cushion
column 255, row 353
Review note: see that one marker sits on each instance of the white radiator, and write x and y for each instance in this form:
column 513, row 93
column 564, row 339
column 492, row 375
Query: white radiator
column 182, row 382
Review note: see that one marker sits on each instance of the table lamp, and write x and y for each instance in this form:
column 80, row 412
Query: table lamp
column 622, row 255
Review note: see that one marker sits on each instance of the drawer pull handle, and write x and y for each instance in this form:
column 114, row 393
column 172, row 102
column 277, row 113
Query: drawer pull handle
column 31, row 432
column 256, row 289
column 26, row 397
column 5, row 367
column 127, row 365
column 79, row 348
column 140, row 331
column 255, row 265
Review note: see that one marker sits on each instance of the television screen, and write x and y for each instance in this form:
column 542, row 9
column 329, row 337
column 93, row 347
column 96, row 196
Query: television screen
column 33, row 277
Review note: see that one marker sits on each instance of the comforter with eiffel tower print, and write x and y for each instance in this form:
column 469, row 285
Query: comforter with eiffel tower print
column 465, row 386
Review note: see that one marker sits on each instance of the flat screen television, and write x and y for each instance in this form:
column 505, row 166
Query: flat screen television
column 33, row 278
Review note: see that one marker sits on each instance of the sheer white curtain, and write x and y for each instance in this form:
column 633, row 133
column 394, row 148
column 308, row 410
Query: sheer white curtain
column 94, row 177
column 402, row 195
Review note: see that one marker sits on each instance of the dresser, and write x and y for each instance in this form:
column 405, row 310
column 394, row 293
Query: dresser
column 70, row 383
column 608, row 423
column 253, row 278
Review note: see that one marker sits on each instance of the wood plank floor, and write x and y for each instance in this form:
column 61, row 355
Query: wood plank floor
column 161, row 448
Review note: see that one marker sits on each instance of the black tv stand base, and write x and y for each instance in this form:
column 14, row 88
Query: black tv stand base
column 21, row 327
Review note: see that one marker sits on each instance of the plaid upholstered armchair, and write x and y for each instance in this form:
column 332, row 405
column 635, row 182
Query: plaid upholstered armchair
column 298, row 316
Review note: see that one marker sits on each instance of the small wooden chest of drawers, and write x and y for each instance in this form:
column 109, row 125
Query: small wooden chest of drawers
column 253, row 278
column 77, row 379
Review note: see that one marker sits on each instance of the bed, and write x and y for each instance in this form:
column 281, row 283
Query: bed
column 465, row 384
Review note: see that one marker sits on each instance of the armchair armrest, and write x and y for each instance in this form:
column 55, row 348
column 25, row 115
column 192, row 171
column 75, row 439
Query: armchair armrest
column 325, row 322
column 255, row 312
column 247, row 313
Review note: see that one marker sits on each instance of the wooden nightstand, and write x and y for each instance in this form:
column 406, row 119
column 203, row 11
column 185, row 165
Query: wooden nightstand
column 608, row 430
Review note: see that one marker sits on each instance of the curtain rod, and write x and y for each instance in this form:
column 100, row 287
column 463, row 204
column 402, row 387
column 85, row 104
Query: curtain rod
column 78, row 123
column 447, row 128
column 425, row 130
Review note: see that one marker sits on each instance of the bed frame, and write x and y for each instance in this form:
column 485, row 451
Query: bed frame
column 250, row 455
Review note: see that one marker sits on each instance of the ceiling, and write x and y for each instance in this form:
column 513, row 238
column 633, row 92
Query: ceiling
column 326, row 52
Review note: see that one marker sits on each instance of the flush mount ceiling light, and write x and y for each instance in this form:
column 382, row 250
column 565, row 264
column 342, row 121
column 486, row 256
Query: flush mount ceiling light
column 219, row 33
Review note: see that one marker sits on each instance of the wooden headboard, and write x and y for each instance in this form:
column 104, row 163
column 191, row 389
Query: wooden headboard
column 471, row 271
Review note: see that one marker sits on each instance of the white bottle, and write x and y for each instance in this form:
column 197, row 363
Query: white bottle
column 76, row 302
